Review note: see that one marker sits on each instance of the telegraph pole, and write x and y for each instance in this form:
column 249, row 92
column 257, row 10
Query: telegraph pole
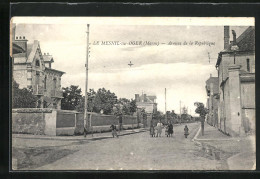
column 180, row 112
column 86, row 85
column 165, row 107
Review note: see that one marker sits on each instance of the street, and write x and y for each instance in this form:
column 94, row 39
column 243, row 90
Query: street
column 138, row 152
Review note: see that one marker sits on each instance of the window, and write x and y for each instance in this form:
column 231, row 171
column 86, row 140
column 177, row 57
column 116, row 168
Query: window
column 37, row 63
column 54, row 83
column 45, row 80
column 248, row 65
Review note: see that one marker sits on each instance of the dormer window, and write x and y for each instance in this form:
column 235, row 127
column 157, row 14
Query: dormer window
column 37, row 63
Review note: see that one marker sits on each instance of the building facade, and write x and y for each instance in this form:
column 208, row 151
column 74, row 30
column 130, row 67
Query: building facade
column 212, row 89
column 149, row 104
column 32, row 69
column 146, row 102
column 236, row 74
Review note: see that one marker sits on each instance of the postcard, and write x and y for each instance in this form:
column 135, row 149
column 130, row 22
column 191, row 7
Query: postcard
column 132, row 93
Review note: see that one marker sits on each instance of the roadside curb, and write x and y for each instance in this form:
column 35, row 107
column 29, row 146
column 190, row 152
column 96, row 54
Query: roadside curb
column 195, row 137
column 79, row 139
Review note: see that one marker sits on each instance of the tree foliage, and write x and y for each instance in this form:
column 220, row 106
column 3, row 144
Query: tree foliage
column 71, row 97
column 201, row 110
column 23, row 98
column 104, row 100
column 125, row 106
column 100, row 100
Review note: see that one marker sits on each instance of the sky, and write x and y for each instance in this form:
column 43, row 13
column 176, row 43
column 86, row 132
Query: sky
column 181, row 69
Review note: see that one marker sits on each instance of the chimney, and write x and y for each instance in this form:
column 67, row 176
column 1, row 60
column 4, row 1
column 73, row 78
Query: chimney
column 234, row 37
column 210, row 75
column 137, row 97
column 145, row 99
column 226, row 37
column 22, row 42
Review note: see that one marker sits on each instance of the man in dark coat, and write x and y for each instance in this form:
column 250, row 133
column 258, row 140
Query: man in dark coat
column 170, row 129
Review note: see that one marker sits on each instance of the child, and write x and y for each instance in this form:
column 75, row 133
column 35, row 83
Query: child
column 114, row 133
column 167, row 131
column 186, row 131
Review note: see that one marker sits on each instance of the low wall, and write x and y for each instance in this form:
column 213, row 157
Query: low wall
column 32, row 121
column 99, row 129
column 102, row 123
column 45, row 121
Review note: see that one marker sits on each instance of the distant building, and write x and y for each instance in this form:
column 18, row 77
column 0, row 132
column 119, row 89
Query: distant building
column 149, row 104
column 212, row 89
column 236, row 74
column 32, row 69
column 146, row 102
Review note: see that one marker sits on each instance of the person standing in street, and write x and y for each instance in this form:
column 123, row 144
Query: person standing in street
column 152, row 132
column 159, row 129
column 170, row 129
column 114, row 133
column 186, row 131
column 120, row 121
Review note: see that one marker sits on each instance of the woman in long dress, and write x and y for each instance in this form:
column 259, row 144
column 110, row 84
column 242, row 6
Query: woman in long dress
column 152, row 132
column 170, row 129
column 159, row 129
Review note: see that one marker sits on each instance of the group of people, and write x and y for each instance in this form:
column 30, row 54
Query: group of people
column 156, row 130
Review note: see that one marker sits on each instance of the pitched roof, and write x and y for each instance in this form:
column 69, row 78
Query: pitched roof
column 32, row 51
column 51, row 69
column 29, row 48
column 17, row 49
column 245, row 42
column 148, row 99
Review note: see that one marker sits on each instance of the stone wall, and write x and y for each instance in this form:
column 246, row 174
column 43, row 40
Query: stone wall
column 46, row 121
column 101, row 123
column 30, row 121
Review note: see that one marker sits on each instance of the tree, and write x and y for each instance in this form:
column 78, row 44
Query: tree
column 101, row 100
column 23, row 98
column 71, row 97
column 202, row 111
column 91, row 98
column 104, row 100
column 128, row 107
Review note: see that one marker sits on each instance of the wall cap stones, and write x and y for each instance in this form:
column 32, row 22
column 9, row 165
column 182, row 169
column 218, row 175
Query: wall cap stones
column 32, row 110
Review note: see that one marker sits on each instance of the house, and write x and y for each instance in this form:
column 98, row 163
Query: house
column 212, row 89
column 149, row 104
column 146, row 102
column 32, row 69
column 236, row 74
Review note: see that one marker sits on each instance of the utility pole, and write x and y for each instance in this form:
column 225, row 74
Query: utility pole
column 165, row 107
column 180, row 112
column 86, row 85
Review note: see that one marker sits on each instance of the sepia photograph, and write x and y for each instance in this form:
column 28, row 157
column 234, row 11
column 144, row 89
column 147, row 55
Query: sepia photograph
column 132, row 93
